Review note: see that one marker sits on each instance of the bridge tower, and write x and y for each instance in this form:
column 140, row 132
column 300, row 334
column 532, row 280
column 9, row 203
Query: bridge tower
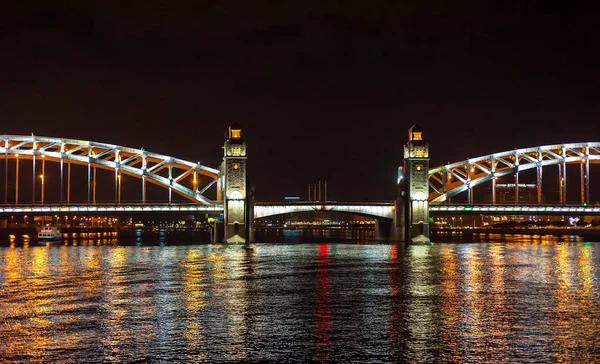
column 414, row 188
column 233, row 189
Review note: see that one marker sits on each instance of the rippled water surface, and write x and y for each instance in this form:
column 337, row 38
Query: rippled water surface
column 475, row 302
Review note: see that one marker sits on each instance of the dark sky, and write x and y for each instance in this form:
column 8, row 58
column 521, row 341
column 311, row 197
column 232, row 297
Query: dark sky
column 323, row 89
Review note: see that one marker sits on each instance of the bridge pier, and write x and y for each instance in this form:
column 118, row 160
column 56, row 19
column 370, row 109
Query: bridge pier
column 384, row 229
column 217, row 233
column 398, row 226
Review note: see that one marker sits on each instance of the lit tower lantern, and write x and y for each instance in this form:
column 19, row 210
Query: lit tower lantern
column 233, row 189
column 416, row 186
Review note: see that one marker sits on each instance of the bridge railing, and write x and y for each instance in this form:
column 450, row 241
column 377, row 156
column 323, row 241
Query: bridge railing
column 122, row 203
column 512, row 204
column 108, row 208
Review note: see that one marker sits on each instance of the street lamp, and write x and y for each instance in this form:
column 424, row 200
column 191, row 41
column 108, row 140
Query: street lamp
column 42, row 178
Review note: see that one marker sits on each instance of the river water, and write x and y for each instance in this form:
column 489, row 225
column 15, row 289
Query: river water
column 325, row 302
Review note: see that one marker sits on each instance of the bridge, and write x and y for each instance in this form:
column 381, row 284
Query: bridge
column 372, row 209
column 223, row 192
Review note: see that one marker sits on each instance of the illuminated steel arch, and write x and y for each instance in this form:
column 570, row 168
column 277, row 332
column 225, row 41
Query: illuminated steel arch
column 123, row 160
column 450, row 180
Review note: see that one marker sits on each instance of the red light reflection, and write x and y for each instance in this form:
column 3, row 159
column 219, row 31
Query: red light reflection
column 323, row 324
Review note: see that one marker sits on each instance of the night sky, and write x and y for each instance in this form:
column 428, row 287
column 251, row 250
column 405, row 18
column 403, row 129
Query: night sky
column 324, row 90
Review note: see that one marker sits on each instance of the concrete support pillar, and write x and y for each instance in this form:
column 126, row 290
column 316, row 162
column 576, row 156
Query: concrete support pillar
column 398, row 230
column 217, row 233
column 383, row 229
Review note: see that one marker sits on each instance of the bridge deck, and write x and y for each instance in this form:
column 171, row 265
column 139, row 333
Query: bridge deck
column 262, row 209
column 513, row 209
column 159, row 208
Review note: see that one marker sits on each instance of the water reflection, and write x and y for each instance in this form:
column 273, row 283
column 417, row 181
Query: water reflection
column 193, row 296
column 513, row 301
column 398, row 325
column 323, row 319
column 450, row 304
column 229, row 275
column 575, row 296
column 33, row 319
column 421, row 322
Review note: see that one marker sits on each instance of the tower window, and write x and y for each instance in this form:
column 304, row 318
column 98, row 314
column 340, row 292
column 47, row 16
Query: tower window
column 236, row 150
column 417, row 135
column 236, row 166
column 419, row 152
column 236, row 133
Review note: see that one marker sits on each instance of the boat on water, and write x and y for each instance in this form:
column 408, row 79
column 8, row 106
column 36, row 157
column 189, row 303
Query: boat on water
column 50, row 233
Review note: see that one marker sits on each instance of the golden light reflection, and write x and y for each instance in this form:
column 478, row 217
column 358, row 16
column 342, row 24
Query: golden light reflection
column 39, row 261
column 141, row 300
column 91, row 273
column 421, row 290
column 12, row 266
column 470, row 318
column 116, row 299
column 450, row 304
column 497, row 311
column 194, row 289
column 585, row 271
column 575, row 297
column 30, row 324
column 236, row 301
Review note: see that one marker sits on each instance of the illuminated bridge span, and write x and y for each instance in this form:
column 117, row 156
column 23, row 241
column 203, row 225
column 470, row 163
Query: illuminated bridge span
column 113, row 209
column 514, row 210
column 381, row 210
column 173, row 174
column 421, row 191
column 462, row 177
column 191, row 180
column 384, row 210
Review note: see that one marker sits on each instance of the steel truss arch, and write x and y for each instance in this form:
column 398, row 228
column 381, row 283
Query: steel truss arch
column 129, row 161
column 449, row 180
